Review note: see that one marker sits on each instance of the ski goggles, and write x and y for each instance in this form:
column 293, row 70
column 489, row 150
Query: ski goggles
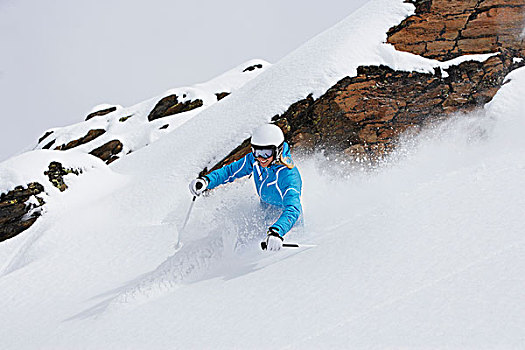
column 264, row 153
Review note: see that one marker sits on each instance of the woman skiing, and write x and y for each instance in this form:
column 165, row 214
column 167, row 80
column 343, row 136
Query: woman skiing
column 277, row 180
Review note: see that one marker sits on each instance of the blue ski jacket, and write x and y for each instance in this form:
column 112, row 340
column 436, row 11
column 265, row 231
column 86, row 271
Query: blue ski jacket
column 277, row 185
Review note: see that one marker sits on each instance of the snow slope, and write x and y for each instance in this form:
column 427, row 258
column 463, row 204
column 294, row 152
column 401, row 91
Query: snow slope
column 426, row 251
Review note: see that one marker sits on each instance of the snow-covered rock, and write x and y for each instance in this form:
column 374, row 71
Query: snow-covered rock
column 142, row 124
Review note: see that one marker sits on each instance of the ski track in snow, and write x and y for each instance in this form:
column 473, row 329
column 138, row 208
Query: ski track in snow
column 189, row 264
column 230, row 247
column 203, row 259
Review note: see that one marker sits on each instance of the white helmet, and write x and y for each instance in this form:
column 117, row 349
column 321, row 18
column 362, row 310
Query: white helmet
column 268, row 135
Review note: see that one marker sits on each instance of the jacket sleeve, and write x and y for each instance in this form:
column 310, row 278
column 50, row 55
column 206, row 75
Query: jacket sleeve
column 230, row 172
column 290, row 186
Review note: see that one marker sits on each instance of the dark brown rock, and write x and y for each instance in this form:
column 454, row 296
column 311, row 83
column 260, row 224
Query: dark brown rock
column 102, row 112
column 170, row 105
column 108, row 152
column 221, row 95
column 15, row 214
column 90, row 136
column 49, row 145
column 45, row 136
column 123, row 119
column 252, row 68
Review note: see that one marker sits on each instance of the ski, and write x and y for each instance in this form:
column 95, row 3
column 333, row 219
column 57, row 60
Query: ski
column 286, row 245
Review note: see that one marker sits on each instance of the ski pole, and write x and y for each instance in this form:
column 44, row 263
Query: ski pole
column 186, row 220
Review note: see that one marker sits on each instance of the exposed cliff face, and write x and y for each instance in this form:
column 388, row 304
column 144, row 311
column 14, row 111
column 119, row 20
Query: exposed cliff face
column 361, row 117
column 445, row 29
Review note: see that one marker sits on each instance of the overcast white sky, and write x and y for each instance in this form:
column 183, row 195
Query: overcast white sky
column 60, row 58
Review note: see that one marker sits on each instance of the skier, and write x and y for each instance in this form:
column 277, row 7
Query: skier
column 277, row 180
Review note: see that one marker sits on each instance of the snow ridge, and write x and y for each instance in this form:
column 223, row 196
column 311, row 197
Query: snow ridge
column 131, row 126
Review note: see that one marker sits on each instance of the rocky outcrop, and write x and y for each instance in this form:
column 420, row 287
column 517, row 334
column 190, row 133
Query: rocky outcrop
column 108, row 151
column 56, row 173
column 17, row 211
column 364, row 115
column 101, row 112
column 90, row 136
column 170, row 105
column 21, row 207
column 445, row 29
